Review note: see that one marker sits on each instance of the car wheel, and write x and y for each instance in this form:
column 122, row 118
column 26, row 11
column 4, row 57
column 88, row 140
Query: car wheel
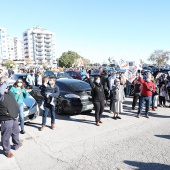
column 59, row 107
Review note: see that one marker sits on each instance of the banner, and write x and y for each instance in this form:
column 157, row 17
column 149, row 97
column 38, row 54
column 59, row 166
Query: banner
column 123, row 64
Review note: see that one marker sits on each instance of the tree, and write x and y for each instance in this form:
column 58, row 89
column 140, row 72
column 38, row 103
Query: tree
column 67, row 59
column 159, row 57
column 70, row 58
column 9, row 63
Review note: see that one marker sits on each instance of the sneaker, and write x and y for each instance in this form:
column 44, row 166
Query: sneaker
column 22, row 131
column 53, row 126
column 111, row 112
column 42, row 128
column 147, row 116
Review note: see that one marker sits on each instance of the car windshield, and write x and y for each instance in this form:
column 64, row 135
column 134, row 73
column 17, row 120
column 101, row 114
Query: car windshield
column 16, row 76
column 79, row 86
column 62, row 74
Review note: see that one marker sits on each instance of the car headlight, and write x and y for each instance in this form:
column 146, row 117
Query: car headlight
column 35, row 104
column 71, row 96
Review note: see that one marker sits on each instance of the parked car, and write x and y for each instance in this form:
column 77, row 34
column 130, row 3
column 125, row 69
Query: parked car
column 74, row 74
column 74, row 97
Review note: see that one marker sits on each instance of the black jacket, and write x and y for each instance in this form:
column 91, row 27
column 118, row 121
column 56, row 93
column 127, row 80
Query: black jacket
column 54, row 93
column 8, row 105
column 97, row 91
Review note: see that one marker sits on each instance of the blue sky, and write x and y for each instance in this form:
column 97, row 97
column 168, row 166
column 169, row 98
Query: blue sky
column 95, row 29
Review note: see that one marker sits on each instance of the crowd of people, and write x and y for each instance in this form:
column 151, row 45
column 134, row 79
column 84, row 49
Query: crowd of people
column 106, row 90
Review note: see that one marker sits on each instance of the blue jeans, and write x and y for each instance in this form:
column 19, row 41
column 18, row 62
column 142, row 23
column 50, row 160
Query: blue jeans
column 128, row 86
column 21, row 115
column 45, row 114
column 144, row 100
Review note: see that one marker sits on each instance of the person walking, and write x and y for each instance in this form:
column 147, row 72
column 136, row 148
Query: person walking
column 117, row 98
column 98, row 98
column 148, row 88
column 9, row 122
column 49, row 93
column 19, row 93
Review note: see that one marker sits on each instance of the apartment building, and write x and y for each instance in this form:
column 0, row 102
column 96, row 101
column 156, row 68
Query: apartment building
column 39, row 45
column 18, row 49
column 11, row 48
column 3, row 45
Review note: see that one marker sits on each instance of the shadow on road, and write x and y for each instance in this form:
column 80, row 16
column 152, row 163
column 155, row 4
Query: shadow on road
column 163, row 136
column 148, row 166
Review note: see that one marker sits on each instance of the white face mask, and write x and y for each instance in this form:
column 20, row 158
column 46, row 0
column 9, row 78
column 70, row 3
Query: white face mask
column 114, row 76
column 19, row 84
column 50, row 82
column 98, row 81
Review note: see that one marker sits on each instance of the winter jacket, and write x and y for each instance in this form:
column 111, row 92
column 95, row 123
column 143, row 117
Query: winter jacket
column 146, row 88
column 8, row 105
column 97, row 91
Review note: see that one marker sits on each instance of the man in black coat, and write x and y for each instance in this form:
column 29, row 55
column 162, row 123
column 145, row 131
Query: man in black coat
column 9, row 122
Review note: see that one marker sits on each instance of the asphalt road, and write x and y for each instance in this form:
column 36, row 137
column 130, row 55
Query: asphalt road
column 76, row 143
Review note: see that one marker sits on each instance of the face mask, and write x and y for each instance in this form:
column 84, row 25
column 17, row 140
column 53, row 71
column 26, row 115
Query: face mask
column 98, row 81
column 50, row 82
column 148, row 79
column 114, row 77
column 19, row 84
column 117, row 83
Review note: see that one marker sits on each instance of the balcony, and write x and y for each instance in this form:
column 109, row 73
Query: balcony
column 47, row 45
column 39, row 54
column 47, row 40
column 48, row 50
column 48, row 36
column 48, row 54
column 48, row 58
column 39, row 41
column 39, row 49
column 39, row 36
column 39, row 58
column 39, row 45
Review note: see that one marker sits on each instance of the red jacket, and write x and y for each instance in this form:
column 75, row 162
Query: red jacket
column 146, row 88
